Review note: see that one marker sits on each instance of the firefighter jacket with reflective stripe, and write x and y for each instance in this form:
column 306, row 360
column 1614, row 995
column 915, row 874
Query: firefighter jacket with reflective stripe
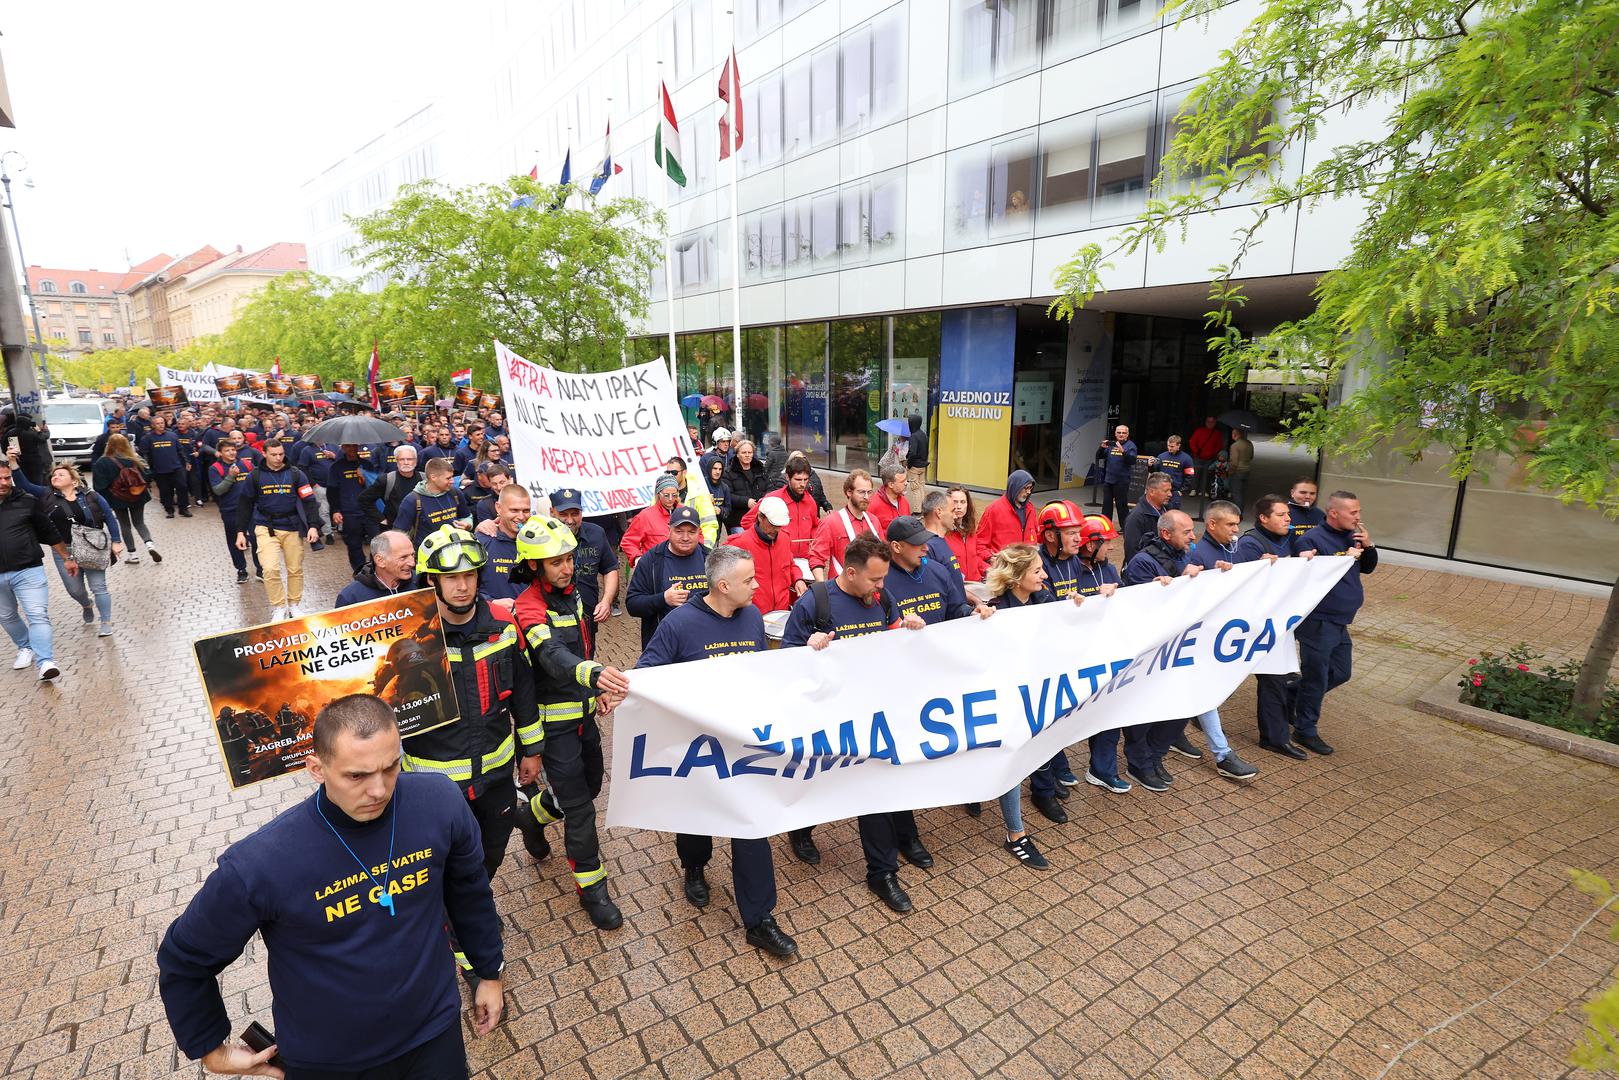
column 552, row 625
column 494, row 687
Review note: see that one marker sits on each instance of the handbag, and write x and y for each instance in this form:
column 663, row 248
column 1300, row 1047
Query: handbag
column 92, row 544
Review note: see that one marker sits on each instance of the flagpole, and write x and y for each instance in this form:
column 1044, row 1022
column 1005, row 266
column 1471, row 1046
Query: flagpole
column 668, row 256
column 732, row 135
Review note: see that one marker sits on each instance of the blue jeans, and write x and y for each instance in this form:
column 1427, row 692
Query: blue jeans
column 1043, row 782
column 1212, row 731
column 25, row 590
column 1012, row 810
column 1105, row 754
column 76, row 584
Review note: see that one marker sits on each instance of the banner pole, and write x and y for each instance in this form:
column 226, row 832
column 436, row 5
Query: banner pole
column 734, row 131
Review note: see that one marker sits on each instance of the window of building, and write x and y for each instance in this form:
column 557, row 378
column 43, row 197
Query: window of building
column 1065, row 173
column 858, row 352
column 47, row 285
column 78, row 288
column 763, row 245
column 693, row 255
column 890, row 35
column 795, row 104
column 992, row 40
column 913, row 372
column 856, row 48
column 755, row 18
column 1124, row 164
column 109, row 338
column 84, row 337
column 824, row 230
column 762, row 124
column 989, row 191
column 805, row 407
column 824, row 95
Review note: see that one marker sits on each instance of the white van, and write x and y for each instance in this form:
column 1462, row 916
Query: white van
column 75, row 424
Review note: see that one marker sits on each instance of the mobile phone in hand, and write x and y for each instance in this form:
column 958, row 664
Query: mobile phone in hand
column 260, row 1038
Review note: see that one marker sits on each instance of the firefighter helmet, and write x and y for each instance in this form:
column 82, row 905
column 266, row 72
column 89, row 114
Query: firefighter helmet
column 1098, row 527
column 1061, row 514
column 544, row 538
column 450, row 550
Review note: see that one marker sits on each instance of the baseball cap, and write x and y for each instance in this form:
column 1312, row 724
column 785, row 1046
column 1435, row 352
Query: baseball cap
column 566, row 499
column 909, row 530
column 721, row 433
column 774, row 510
column 684, row 515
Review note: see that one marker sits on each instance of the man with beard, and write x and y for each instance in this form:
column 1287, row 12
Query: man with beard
column 838, row 530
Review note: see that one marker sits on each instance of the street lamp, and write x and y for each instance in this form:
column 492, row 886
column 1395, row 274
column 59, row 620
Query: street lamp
column 33, row 309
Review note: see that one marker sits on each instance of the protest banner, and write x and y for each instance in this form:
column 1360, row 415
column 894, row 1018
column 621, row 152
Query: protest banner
column 490, row 401
column 168, row 397
column 343, row 386
column 467, row 397
column 230, row 385
column 306, row 384
column 399, row 390
column 265, row 685
column 199, row 385
column 606, row 435
column 278, row 386
column 426, row 395
column 985, row 703
column 256, row 383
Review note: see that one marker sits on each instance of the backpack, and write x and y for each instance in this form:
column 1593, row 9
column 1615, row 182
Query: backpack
column 130, row 483
column 823, row 607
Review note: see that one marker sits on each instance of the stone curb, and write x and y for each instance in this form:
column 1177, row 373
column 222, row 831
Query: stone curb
column 1443, row 701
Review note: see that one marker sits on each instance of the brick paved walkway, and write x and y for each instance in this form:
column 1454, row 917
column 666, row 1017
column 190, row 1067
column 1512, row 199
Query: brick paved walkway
column 1307, row 925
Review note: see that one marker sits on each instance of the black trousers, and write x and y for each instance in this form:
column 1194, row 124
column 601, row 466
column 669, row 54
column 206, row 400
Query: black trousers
column 753, row 872
column 174, row 490
column 232, row 531
column 443, row 1057
column 572, row 753
column 1275, row 694
column 493, row 798
column 197, row 481
column 357, row 533
column 1116, row 501
column 1146, row 744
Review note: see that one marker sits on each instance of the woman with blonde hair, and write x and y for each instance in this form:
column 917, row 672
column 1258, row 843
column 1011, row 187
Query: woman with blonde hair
column 124, row 480
column 88, row 509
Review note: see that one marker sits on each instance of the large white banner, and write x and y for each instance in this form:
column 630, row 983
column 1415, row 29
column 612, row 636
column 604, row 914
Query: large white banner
column 199, row 384
column 605, row 435
column 954, row 713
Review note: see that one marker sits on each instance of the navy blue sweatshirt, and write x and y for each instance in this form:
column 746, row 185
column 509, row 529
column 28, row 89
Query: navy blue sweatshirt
column 1156, row 559
column 1092, row 578
column 495, row 579
column 353, row 986
column 421, row 513
column 695, row 631
column 345, row 480
column 1119, row 460
column 163, row 453
column 1341, row 604
column 1008, row 599
column 271, row 499
column 591, row 559
column 849, row 617
column 1305, row 518
column 1062, row 575
column 658, row 570
column 1258, row 542
column 1206, row 551
column 931, row 592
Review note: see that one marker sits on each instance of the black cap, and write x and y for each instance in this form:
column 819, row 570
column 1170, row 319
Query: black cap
column 684, row 515
column 566, row 499
column 909, row 530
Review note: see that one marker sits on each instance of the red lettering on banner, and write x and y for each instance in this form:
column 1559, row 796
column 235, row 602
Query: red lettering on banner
column 526, row 375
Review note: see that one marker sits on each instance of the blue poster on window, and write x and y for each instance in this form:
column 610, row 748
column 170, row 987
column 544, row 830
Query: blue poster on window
column 976, row 360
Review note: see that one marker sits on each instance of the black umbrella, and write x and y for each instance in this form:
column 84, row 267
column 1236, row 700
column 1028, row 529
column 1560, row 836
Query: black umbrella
column 360, row 428
column 1240, row 418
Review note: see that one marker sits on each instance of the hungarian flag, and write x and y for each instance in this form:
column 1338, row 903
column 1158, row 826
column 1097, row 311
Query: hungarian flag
column 372, row 370
column 607, row 169
column 462, row 377
column 666, row 143
column 731, row 115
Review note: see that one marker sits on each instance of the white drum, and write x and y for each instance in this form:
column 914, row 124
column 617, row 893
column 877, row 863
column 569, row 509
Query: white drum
column 977, row 590
column 775, row 627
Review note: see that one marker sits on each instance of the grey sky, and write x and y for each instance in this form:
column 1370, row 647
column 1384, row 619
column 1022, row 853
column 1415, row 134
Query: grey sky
column 164, row 128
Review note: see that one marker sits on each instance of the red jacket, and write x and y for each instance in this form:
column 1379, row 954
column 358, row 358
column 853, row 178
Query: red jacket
column 1205, row 444
column 966, row 551
column 649, row 529
column 832, row 539
column 999, row 527
column 803, row 516
column 773, row 565
column 884, row 512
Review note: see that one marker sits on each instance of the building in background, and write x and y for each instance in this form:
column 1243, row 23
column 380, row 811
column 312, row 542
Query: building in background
column 912, row 175
column 79, row 307
column 149, row 319
column 215, row 293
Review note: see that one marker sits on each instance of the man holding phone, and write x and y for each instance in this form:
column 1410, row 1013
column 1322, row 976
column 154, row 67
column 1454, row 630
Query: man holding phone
column 1325, row 652
column 350, row 890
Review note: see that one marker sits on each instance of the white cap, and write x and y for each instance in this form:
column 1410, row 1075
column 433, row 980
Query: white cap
column 774, row 510
column 721, row 433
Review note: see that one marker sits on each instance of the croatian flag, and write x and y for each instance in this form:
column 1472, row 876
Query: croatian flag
column 607, row 170
column 275, row 368
column 372, row 370
column 462, row 377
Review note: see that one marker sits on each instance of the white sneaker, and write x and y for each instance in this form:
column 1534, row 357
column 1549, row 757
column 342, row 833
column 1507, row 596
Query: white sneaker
column 132, row 556
column 293, row 611
column 25, row 658
column 48, row 670
column 105, row 631
column 151, row 549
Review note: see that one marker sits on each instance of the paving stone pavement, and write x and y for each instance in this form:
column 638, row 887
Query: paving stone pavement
column 1308, row 925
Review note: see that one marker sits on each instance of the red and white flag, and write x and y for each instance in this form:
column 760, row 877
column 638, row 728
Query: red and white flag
column 275, row 368
column 371, row 371
column 731, row 115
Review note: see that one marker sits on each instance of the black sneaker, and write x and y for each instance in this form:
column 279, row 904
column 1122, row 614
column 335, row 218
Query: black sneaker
column 185, row 513
column 1024, row 851
column 1185, row 749
column 1107, row 783
column 1147, row 780
column 168, row 513
column 1163, row 774
column 973, row 809
column 259, row 573
column 915, row 853
column 1051, row 809
column 1313, row 743
column 241, row 577
column 600, row 907
column 1233, row 767
column 696, row 886
column 771, row 938
column 888, row 891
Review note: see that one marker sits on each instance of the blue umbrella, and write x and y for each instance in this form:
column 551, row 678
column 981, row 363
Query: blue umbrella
column 691, row 401
column 895, row 426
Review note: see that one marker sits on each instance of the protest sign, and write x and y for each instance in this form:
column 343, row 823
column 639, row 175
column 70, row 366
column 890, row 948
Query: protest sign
column 278, row 385
column 991, row 701
column 490, row 401
column 343, row 386
column 256, row 383
column 426, row 395
column 399, row 390
column 467, row 397
column 168, row 397
column 305, row 384
column 265, row 685
column 606, row 435
column 230, row 385
column 199, row 385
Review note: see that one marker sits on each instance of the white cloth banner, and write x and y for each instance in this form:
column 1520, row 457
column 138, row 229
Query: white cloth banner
column 199, row 384
column 954, row 713
column 606, row 435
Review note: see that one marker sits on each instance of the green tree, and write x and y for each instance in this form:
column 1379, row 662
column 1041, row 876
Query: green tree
column 1475, row 311
column 559, row 284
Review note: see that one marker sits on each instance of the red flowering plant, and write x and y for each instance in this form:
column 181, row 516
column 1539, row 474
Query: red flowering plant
column 1511, row 685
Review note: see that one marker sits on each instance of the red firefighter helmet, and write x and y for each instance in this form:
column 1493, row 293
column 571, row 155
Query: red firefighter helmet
column 1060, row 515
column 1098, row 527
